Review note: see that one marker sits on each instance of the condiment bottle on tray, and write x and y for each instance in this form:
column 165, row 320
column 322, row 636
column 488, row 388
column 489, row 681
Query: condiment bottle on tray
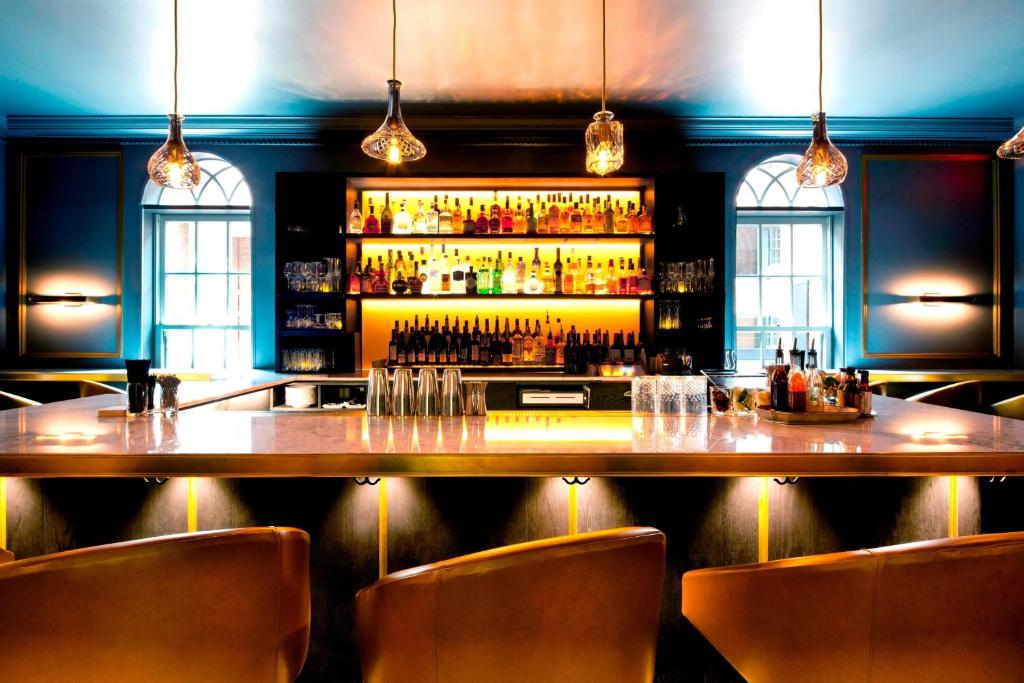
column 797, row 384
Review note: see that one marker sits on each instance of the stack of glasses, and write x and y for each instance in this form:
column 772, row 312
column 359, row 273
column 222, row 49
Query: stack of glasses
column 669, row 395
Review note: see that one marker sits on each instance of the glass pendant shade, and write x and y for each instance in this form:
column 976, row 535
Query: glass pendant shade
column 173, row 165
column 393, row 142
column 1013, row 148
column 605, row 148
column 822, row 165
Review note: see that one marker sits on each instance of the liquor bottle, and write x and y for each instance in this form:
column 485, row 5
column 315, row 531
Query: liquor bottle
column 433, row 217
column 444, row 218
column 559, row 344
column 797, row 384
column 393, row 346
column 497, row 277
column 483, row 278
column 400, row 263
column 645, row 220
column 780, row 382
column 617, row 351
column 632, row 280
column 419, row 220
column 535, row 264
column 355, row 220
column 366, row 286
column 590, row 278
column 403, row 221
column 385, row 215
column 558, row 283
column 399, row 285
column 815, row 390
column 380, row 282
column 609, row 216
column 519, row 219
column 494, row 222
column 389, row 268
column 415, row 281
column 517, row 344
column 553, row 217
column 507, row 220
column 507, row 346
column 612, row 279
column 468, row 225
column 542, row 219
column 371, row 226
column 485, row 343
column 520, row 276
column 528, row 344
column 481, row 222
column 621, row 226
column 581, row 277
column 508, row 277
column 644, row 284
column 533, row 285
column 547, row 280
column 629, row 351
column 457, row 223
column 600, row 282
column 576, row 219
column 355, row 280
column 531, row 220
column 588, row 216
column 634, row 219
column 458, row 276
column 474, row 345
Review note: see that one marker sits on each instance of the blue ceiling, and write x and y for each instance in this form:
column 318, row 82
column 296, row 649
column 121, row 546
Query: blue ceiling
column 884, row 58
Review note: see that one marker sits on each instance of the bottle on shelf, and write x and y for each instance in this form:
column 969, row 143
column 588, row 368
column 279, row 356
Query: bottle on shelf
column 355, row 219
column 371, row 226
column 468, row 224
column 444, row 218
column 403, row 221
column 531, row 220
column 385, row 215
column 815, row 390
column 433, row 217
column 509, row 277
column 780, row 381
column 797, row 382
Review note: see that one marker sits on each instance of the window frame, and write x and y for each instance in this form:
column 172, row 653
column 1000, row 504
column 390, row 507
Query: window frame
column 831, row 220
column 160, row 215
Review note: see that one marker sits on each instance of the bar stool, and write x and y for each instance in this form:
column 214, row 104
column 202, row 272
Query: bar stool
column 962, row 395
column 947, row 610
column 227, row 605
column 573, row 608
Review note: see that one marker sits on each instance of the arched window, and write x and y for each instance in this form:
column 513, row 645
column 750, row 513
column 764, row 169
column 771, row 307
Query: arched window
column 202, row 288
column 786, row 241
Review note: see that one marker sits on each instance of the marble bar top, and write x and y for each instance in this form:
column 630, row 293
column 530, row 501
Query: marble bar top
column 67, row 439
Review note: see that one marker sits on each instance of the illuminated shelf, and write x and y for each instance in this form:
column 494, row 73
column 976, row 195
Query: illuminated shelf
column 487, row 297
column 500, row 237
column 312, row 296
column 310, row 332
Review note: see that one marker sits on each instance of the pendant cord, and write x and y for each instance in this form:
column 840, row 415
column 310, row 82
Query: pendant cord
column 821, row 59
column 175, row 57
column 604, row 52
column 394, row 39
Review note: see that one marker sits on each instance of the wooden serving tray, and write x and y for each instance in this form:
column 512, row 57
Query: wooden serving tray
column 825, row 415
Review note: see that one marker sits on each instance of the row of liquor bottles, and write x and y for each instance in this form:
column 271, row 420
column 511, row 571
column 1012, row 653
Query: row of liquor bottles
column 799, row 386
column 545, row 345
column 557, row 214
column 481, row 276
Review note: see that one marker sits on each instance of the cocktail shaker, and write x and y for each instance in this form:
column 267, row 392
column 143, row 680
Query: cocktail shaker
column 378, row 393
column 476, row 398
column 428, row 403
column 451, row 393
column 402, row 395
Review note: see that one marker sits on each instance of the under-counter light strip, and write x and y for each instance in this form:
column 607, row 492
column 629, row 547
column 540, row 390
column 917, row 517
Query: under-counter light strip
column 192, row 505
column 3, row 513
column 382, row 528
column 573, row 510
column 762, row 520
column 954, row 508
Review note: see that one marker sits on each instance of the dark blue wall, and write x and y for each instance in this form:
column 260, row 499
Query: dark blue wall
column 261, row 162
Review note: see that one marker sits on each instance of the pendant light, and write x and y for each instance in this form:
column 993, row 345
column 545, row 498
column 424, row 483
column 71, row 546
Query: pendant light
column 822, row 165
column 1013, row 148
column 605, row 149
column 393, row 142
column 173, row 165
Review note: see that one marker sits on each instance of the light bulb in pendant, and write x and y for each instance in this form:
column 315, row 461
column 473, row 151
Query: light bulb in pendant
column 173, row 165
column 822, row 165
column 393, row 142
column 605, row 147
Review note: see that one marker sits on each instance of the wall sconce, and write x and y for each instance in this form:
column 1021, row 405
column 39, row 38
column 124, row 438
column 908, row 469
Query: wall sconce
column 65, row 299
column 936, row 299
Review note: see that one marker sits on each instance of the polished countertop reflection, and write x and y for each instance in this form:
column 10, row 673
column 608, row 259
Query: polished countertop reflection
column 68, row 439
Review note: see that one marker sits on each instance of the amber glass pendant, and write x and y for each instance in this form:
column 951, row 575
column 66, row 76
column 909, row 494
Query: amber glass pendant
column 173, row 165
column 393, row 142
column 1013, row 148
column 822, row 165
column 605, row 149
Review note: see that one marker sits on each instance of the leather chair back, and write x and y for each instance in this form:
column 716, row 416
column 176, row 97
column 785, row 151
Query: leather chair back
column 572, row 609
column 948, row 610
column 1011, row 407
column 962, row 395
column 227, row 605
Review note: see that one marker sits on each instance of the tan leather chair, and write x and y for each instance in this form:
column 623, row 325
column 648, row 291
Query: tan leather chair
column 571, row 609
column 1011, row 407
column 962, row 395
column 227, row 605
column 948, row 610
column 88, row 387
column 9, row 400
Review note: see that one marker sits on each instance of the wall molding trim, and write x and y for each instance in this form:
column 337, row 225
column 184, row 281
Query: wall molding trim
column 298, row 129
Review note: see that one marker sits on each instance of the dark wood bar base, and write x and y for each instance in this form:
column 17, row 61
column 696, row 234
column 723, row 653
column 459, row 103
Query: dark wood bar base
column 708, row 522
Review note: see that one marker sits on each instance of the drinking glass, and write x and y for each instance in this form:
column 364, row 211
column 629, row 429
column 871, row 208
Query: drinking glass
column 428, row 402
column 720, row 400
column 643, row 395
column 451, row 392
column 378, row 395
column 695, row 394
column 402, row 395
column 669, row 395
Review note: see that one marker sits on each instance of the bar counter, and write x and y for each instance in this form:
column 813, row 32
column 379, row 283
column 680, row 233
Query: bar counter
column 68, row 439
